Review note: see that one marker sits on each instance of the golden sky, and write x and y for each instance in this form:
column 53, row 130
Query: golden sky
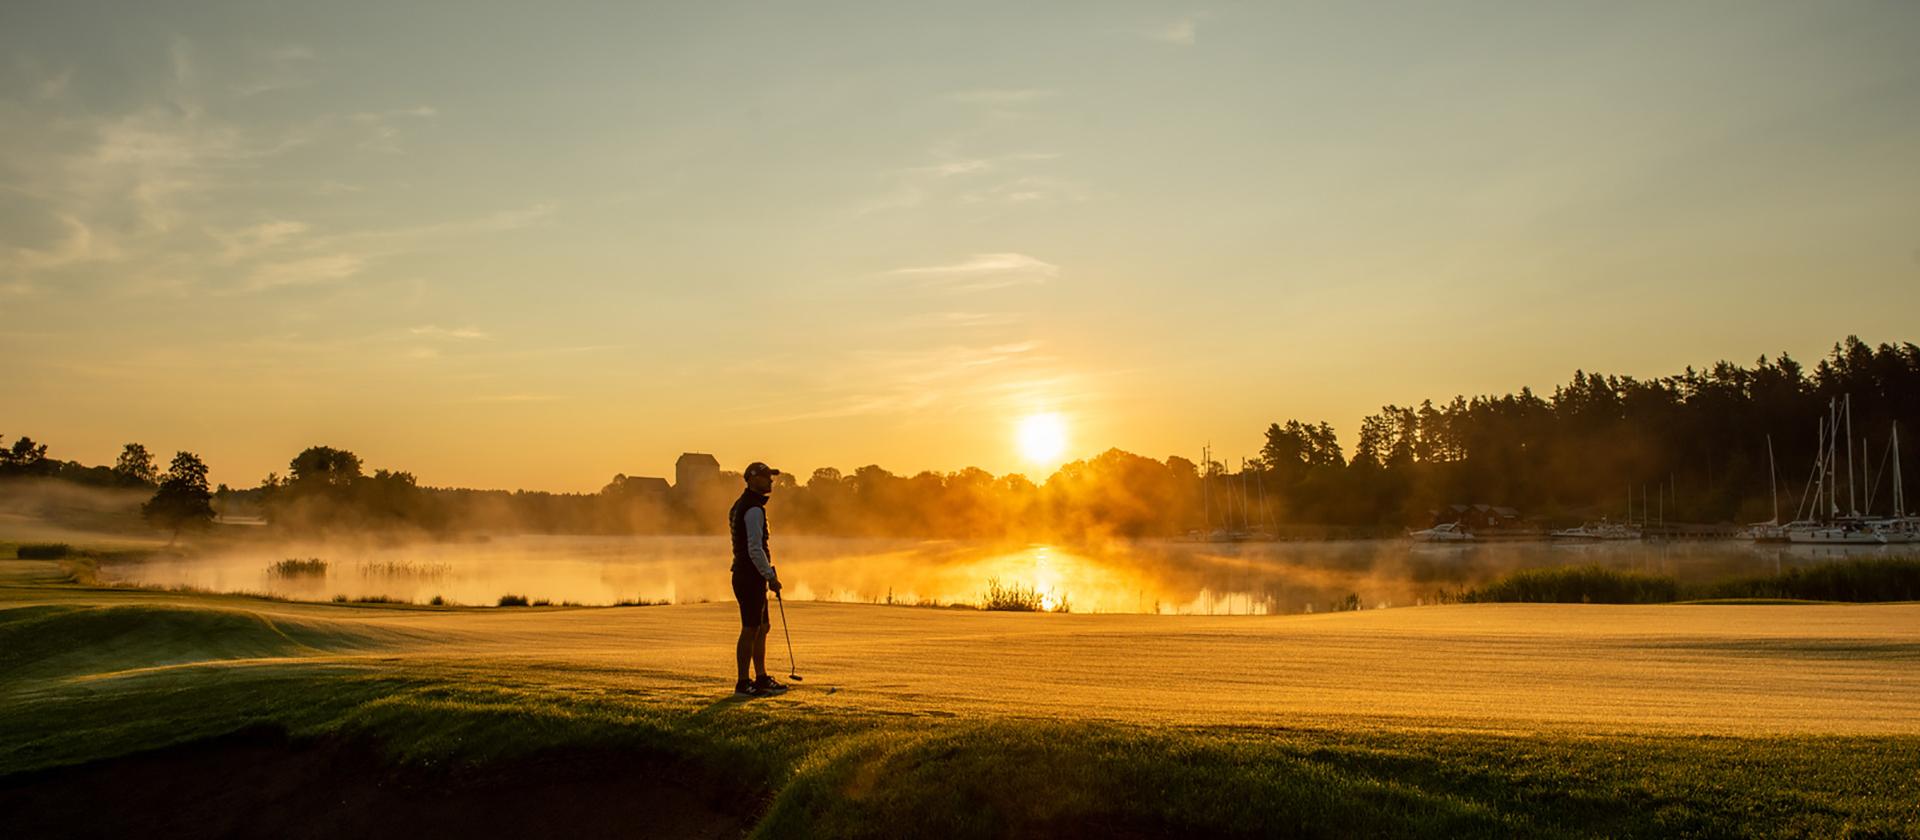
column 517, row 246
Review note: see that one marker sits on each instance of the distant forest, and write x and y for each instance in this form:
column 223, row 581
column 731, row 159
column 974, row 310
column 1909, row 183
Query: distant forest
column 1692, row 446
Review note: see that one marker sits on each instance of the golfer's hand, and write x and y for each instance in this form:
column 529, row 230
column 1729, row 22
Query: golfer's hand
column 774, row 585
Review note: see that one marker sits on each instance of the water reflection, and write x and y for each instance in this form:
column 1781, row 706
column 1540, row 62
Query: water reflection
column 1133, row 577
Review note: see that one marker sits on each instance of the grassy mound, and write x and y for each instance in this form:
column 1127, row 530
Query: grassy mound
column 450, row 728
column 796, row 774
column 44, row 641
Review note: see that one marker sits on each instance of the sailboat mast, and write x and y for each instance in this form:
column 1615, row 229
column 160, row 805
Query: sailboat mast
column 1773, row 481
column 1853, row 504
column 1246, row 499
column 1260, row 484
column 1206, row 500
column 1899, row 493
column 1868, row 482
column 1833, row 469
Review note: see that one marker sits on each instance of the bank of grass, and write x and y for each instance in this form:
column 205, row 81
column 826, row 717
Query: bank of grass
column 831, row 775
column 829, row 771
column 1862, row 580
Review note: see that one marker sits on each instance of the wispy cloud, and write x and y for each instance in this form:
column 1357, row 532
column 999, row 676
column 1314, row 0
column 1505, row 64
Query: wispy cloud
column 53, row 87
column 79, row 245
column 308, row 271
column 254, row 240
column 284, row 67
column 953, row 180
column 1184, row 32
column 384, row 128
column 958, row 377
column 515, row 398
column 455, row 334
column 1026, row 189
column 982, row 271
column 1003, row 96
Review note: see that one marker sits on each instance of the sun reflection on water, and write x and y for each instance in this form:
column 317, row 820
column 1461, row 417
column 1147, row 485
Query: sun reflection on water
column 1159, row 577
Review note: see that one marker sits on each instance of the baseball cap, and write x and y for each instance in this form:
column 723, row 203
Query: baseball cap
column 758, row 468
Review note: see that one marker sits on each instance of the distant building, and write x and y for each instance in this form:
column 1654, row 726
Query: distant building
column 637, row 485
column 1478, row 517
column 693, row 471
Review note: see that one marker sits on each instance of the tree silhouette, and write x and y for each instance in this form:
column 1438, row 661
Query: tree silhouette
column 26, row 458
column 183, row 500
column 135, row 466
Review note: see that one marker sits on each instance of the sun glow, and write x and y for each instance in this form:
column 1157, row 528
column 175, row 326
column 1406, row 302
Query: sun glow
column 1043, row 437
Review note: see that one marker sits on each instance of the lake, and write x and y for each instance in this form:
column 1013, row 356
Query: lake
column 1122, row 576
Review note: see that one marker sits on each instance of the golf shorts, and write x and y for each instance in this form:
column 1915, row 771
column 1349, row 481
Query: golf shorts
column 751, row 591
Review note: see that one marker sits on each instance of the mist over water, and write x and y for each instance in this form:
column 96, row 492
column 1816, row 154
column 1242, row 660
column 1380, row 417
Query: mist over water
column 1119, row 576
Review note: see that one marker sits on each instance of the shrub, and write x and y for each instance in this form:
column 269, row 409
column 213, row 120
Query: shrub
column 437, row 601
column 513, row 601
column 405, row 568
column 1577, row 585
column 1013, row 597
column 295, row 567
column 42, row 551
column 1861, row 580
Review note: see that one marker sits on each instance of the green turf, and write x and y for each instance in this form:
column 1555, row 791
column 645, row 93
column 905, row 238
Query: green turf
column 856, row 774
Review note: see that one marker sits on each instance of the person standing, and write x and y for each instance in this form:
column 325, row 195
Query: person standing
column 753, row 575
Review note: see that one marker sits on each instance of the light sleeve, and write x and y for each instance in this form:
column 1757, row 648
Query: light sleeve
column 755, row 521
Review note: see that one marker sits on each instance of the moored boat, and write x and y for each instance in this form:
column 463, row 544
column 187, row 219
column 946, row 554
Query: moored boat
column 1448, row 532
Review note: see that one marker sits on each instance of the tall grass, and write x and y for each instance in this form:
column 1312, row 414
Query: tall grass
column 1577, row 585
column 1863, row 580
column 1017, row 597
column 296, row 567
column 404, row 569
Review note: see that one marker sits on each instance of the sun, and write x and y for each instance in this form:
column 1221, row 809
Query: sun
column 1043, row 437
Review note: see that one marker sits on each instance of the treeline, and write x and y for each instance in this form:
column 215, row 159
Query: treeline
column 26, row 458
column 1691, row 446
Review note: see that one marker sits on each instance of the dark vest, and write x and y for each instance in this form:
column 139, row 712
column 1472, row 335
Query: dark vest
column 737, row 525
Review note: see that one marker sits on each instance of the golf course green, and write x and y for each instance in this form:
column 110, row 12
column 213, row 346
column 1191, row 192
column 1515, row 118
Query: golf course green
column 188, row 714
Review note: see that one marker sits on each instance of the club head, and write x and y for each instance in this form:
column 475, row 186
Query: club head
column 796, row 678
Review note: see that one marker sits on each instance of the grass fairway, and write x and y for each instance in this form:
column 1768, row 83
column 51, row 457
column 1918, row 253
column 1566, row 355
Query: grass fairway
column 229, row 713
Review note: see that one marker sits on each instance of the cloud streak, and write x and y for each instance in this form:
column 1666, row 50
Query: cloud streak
column 957, row 377
column 1003, row 96
column 454, row 334
column 1184, row 32
column 982, row 271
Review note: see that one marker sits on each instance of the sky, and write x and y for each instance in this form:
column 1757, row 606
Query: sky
column 534, row 245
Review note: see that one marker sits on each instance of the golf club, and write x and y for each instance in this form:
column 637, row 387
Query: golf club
column 789, row 634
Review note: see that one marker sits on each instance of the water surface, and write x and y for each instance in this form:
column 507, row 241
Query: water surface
column 1128, row 576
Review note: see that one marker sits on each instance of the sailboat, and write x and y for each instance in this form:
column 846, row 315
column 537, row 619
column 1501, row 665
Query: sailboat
column 1903, row 527
column 1770, row 531
column 1603, row 530
column 1443, row 533
column 1854, row 528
